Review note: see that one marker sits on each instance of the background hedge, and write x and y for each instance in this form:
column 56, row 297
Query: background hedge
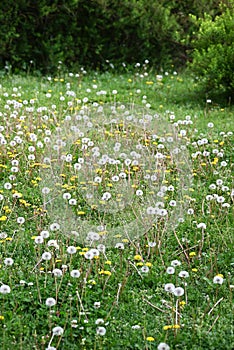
column 88, row 32
column 213, row 54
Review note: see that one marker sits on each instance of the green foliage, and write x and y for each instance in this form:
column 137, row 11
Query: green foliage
column 133, row 305
column 213, row 55
column 81, row 32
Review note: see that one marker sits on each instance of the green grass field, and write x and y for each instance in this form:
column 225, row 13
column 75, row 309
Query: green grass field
column 116, row 212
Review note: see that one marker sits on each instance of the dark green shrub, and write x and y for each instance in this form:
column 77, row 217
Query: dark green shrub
column 213, row 55
column 89, row 32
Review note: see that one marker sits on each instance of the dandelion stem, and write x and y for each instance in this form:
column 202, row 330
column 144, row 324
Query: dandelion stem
column 51, row 339
column 216, row 319
column 36, row 265
column 154, row 306
column 219, row 301
column 136, row 269
column 186, row 255
column 81, row 305
column 38, row 288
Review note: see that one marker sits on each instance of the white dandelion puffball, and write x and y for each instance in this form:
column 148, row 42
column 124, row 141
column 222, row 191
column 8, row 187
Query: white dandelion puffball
column 57, row 330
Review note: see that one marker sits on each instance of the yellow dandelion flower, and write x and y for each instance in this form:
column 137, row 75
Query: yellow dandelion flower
column 150, row 339
column 191, row 254
column 3, row 218
column 176, row 326
column 108, row 273
column 165, row 328
column 92, row 282
column 219, row 275
column 137, row 257
column 194, row 270
column 102, row 233
column 1, row 317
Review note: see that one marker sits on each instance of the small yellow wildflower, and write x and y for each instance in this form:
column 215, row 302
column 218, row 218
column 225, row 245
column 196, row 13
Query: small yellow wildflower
column 108, row 273
column 191, row 254
column 104, row 272
column 92, row 282
column 1, row 317
column 150, row 339
column 176, row 326
column 137, row 257
column 219, row 275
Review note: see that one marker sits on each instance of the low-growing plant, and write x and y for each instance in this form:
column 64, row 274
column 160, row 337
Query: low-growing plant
column 118, row 155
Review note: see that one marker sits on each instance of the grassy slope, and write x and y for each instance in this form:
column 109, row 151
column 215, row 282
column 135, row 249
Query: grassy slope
column 27, row 321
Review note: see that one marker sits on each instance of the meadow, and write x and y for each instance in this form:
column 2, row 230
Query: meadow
column 116, row 212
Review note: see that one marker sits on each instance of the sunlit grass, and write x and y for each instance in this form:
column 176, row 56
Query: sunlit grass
column 169, row 288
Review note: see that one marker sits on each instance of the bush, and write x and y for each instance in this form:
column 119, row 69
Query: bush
column 82, row 32
column 213, row 55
